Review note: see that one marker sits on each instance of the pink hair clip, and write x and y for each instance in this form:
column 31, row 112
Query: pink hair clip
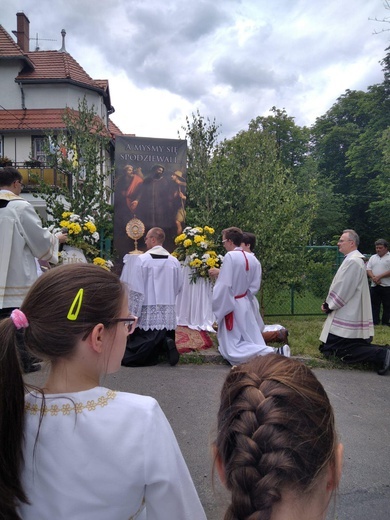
column 19, row 319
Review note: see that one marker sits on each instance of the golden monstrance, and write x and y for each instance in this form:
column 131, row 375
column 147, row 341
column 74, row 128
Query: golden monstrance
column 135, row 229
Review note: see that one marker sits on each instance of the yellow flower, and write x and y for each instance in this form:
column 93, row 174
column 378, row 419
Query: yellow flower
column 180, row 238
column 99, row 261
column 187, row 243
column 199, row 238
column 66, row 214
column 175, row 254
column 196, row 263
column 64, row 223
column 198, row 228
column 89, row 226
column 74, row 228
column 209, row 230
column 211, row 262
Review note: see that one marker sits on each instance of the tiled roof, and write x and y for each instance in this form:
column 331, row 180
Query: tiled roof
column 31, row 119
column 8, row 48
column 40, row 120
column 113, row 129
column 47, row 66
column 55, row 65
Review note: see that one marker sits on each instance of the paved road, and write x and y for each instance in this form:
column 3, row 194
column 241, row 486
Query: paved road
column 189, row 396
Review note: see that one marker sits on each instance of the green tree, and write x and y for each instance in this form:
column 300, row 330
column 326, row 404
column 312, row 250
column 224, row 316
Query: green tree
column 245, row 184
column 202, row 138
column 80, row 152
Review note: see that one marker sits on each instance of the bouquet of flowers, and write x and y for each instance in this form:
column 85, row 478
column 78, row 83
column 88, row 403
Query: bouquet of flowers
column 82, row 234
column 197, row 250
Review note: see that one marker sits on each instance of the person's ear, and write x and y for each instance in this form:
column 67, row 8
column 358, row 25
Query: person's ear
column 335, row 469
column 96, row 337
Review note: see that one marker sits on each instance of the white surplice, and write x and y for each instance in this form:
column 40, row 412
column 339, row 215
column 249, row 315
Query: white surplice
column 234, row 291
column 22, row 240
column 104, row 455
column 154, row 284
column 349, row 299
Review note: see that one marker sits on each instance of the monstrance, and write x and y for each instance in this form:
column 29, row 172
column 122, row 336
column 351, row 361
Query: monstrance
column 135, row 229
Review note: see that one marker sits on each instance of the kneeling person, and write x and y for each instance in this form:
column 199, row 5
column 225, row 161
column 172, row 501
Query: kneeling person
column 153, row 288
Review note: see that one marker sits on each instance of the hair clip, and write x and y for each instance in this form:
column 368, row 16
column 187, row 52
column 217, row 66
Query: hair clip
column 76, row 306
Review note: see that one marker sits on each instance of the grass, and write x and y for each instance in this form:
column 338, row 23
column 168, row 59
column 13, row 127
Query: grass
column 304, row 333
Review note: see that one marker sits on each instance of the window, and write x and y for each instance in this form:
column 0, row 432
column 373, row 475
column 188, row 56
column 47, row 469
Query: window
column 39, row 145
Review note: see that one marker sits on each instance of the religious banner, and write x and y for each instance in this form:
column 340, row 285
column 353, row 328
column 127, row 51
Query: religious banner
column 150, row 191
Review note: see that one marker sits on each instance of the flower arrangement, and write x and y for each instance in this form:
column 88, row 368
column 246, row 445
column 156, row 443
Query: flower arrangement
column 82, row 233
column 197, row 250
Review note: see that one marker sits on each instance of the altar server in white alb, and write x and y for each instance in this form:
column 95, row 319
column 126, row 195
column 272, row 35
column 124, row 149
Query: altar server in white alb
column 348, row 330
column 154, row 282
column 239, row 334
column 75, row 449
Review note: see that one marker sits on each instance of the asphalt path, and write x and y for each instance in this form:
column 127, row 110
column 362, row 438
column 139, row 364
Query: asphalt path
column 189, row 396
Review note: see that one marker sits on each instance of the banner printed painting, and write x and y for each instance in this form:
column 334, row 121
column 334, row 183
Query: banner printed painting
column 150, row 185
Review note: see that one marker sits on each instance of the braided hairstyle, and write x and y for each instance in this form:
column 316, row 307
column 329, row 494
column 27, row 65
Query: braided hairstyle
column 275, row 432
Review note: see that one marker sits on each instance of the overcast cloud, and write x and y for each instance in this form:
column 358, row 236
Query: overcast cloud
column 230, row 59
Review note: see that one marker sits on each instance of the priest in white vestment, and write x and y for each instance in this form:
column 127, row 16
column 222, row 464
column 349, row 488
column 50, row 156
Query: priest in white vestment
column 23, row 241
column 239, row 334
column 154, row 282
column 348, row 330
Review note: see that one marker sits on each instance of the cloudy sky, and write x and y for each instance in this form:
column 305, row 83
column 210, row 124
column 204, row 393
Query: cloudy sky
column 230, row 59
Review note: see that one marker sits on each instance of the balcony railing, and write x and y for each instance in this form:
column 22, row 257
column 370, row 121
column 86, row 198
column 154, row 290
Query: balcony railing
column 33, row 174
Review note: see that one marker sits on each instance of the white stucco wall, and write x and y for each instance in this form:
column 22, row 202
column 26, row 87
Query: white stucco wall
column 10, row 97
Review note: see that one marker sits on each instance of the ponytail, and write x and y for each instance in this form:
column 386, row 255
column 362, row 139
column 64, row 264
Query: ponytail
column 11, row 422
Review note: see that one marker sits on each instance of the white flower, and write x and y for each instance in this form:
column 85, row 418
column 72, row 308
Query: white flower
column 91, row 219
column 95, row 236
column 204, row 245
column 75, row 218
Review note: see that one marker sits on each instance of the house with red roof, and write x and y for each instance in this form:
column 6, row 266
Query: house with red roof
column 36, row 88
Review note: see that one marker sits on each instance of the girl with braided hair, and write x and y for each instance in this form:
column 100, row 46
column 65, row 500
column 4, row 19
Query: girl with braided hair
column 74, row 449
column 276, row 448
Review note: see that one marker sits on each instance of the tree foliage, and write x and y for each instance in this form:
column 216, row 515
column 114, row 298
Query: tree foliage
column 350, row 146
column 202, row 137
column 80, row 152
column 246, row 184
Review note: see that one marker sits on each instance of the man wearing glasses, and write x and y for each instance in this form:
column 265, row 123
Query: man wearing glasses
column 348, row 330
column 22, row 241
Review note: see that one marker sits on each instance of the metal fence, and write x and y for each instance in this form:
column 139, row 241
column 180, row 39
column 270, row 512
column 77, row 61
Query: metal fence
column 306, row 298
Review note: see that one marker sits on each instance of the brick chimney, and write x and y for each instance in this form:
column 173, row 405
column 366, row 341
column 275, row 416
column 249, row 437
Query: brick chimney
column 23, row 31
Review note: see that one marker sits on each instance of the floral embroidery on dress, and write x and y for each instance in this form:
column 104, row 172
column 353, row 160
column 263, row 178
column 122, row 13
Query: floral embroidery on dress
column 67, row 408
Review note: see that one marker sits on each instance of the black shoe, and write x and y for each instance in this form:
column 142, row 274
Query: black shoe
column 172, row 352
column 386, row 364
column 31, row 368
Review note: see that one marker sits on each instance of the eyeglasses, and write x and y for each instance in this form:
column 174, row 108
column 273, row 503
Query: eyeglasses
column 129, row 322
column 20, row 182
column 225, row 240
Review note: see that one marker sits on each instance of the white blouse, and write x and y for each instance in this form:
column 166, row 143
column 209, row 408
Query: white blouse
column 104, row 455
